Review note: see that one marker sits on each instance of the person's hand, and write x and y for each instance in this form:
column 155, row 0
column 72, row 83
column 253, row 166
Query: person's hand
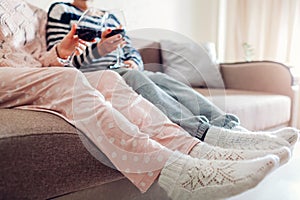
column 131, row 64
column 71, row 43
column 108, row 45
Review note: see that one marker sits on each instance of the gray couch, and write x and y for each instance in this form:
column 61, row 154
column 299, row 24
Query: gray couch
column 42, row 156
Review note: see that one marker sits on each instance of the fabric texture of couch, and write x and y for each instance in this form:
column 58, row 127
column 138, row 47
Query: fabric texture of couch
column 43, row 157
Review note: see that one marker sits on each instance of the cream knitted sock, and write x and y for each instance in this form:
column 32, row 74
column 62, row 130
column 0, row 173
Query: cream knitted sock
column 240, row 128
column 206, row 151
column 184, row 177
column 231, row 139
column 291, row 135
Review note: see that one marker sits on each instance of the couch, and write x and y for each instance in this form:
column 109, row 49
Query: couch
column 263, row 94
column 42, row 156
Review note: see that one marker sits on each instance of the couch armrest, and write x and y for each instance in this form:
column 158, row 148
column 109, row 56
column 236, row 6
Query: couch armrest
column 263, row 76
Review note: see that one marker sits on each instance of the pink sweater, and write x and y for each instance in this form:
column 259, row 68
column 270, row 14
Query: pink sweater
column 22, row 36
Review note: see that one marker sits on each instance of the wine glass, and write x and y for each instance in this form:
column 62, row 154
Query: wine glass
column 89, row 27
column 115, row 20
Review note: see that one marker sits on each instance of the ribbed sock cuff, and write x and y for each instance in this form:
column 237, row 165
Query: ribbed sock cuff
column 212, row 135
column 172, row 171
column 202, row 130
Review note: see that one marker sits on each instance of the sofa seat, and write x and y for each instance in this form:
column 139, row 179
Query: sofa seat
column 42, row 156
column 253, row 108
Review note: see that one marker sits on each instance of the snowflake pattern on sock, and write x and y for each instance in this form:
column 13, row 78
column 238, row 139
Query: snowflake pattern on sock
column 214, row 173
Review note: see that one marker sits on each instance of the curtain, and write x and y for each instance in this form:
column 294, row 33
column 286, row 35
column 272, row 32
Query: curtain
column 260, row 30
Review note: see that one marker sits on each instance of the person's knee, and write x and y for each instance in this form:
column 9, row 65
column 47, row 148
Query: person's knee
column 111, row 74
column 158, row 77
column 136, row 79
column 65, row 72
column 53, row 75
column 133, row 74
column 105, row 77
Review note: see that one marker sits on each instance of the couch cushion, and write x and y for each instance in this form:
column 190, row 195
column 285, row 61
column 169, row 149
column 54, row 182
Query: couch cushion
column 257, row 111
column 14, row 123
column 42, row 156
column 191, row 63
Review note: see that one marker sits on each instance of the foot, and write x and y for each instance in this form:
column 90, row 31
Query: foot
column 291, row 135
column 206, row 151
column 184, row 177
column 231, row 139
column 239, row 128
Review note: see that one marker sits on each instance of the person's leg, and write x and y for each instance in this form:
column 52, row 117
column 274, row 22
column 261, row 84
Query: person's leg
column 134, row 108
column 68, row 93
column 175, row 111
column 217, row 118
column 148, row 118
column 138, row 111
column 193, row 101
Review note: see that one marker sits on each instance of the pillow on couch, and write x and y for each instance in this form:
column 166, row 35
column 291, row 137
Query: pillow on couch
column 193, row 64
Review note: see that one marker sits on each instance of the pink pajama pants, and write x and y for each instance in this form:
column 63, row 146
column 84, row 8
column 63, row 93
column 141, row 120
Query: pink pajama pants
column 136, row 137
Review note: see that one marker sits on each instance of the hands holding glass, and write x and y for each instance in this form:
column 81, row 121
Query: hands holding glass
column 109, row 26
column 116, row 23
column 87, row 29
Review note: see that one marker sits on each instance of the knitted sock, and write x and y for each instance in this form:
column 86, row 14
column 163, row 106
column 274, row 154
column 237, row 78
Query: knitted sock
column 240, row 128
column 243, row 140
column 291, row 135
column 206, row 151
column 184, row 177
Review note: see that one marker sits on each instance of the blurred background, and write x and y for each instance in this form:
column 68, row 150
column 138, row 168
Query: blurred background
column 241, row 30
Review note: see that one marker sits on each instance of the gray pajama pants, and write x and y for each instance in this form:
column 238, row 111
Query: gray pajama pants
column 179, row 102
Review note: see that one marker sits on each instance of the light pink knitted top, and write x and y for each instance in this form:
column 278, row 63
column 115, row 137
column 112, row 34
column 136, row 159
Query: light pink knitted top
column 22, row 36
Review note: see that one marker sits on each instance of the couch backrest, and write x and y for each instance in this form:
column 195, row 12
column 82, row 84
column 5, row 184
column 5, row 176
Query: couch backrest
column 150, row 52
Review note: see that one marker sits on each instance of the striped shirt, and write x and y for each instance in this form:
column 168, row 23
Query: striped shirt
column 61, row 16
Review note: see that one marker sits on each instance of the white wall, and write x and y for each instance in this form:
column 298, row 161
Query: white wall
column 196, row 19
